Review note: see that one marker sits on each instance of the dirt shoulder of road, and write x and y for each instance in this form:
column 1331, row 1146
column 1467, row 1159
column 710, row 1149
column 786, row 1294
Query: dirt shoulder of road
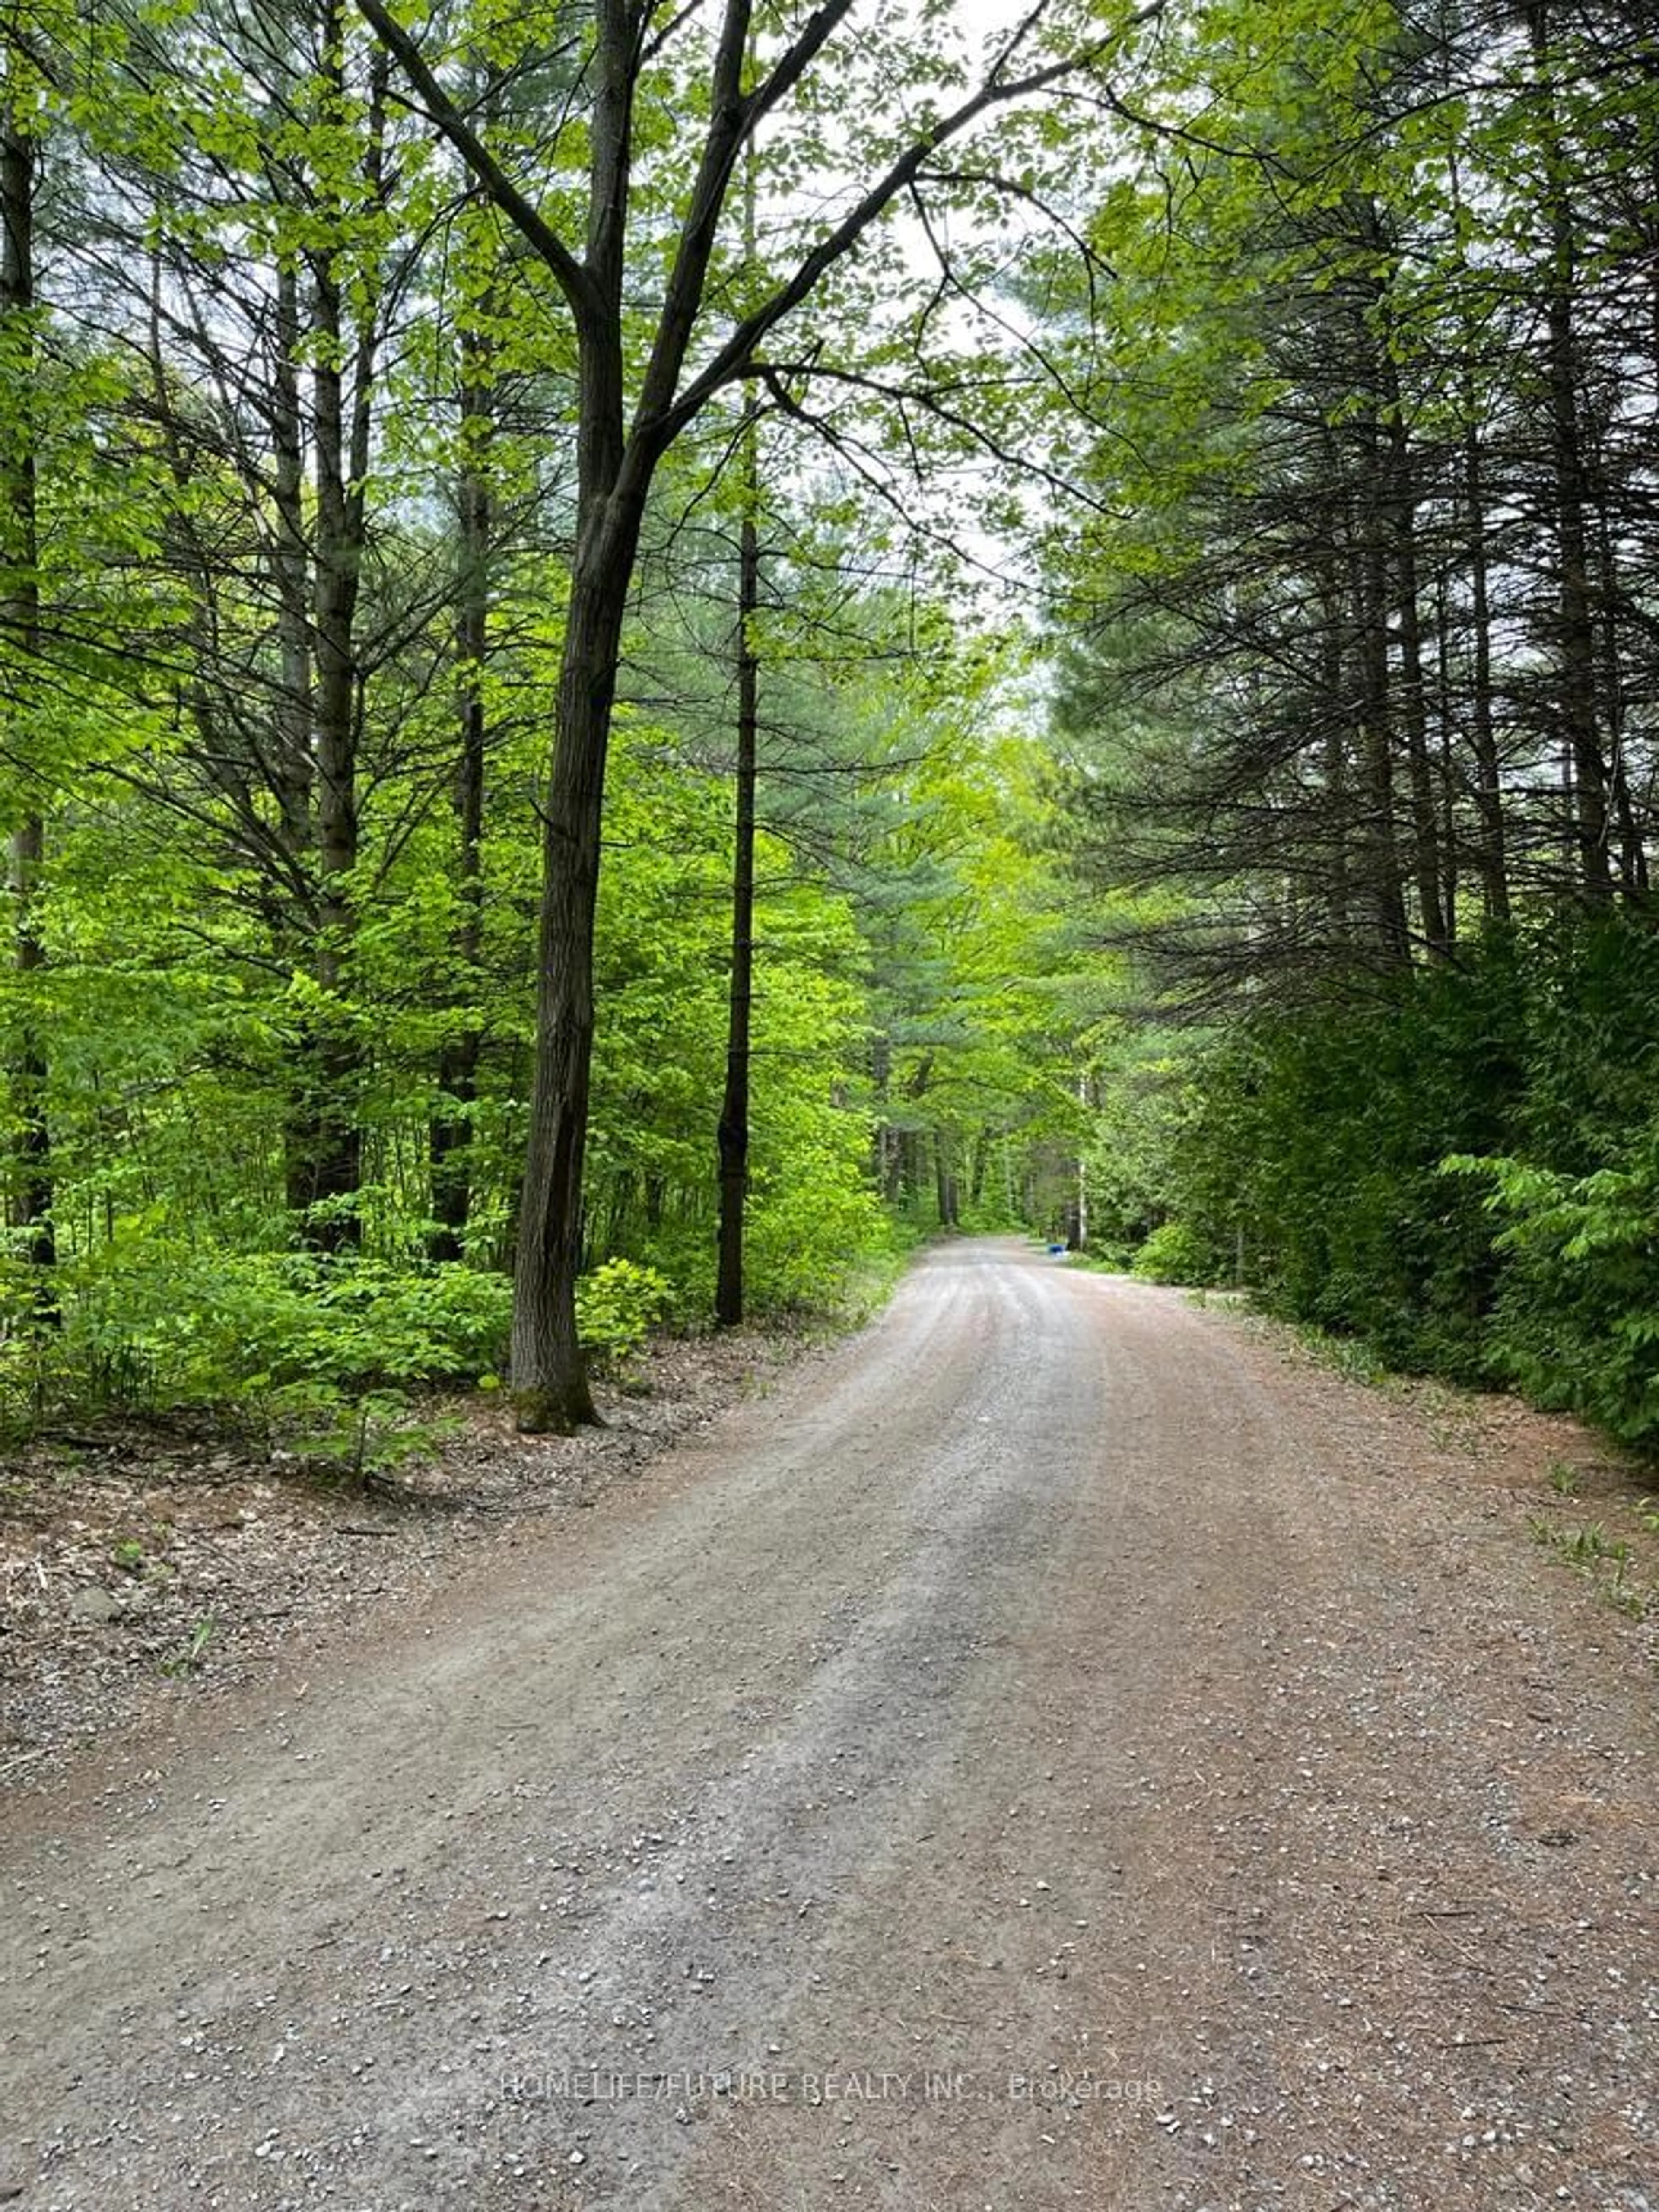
column 1591, row 1509
column 146, row 1567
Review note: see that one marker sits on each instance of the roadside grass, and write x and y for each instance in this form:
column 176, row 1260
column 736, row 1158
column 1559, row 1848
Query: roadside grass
column 1616, row 1553
column 1356, row 1361
column 1606, row 1561
column 1107, row 1262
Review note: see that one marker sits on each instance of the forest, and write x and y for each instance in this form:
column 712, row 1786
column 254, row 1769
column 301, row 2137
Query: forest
column 646, row 653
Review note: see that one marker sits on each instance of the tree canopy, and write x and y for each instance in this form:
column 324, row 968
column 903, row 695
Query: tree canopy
column 663, row 647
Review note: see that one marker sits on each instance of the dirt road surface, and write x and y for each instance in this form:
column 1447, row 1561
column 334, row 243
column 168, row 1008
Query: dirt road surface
column 1056, row 1751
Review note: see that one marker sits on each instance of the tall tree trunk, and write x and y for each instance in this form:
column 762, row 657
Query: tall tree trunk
column 294, row 919
column 290, row 573
column 32, row 1191
column 978, row 1162
column 1491, row 861
column 549, row 1372
column 1334, row 658
column 1413, row 690
column 1491, row 858
column 944, row 1181
column 1383, row 882
column 451, row 1132
column 1397, row 520
column 32, row 1188
column 613, row 476
column 1584, row 770
column 1080, row 1241
column 1632, row 851
column 331, row 1079
column 888, row 1155
column 1440, row 630
column 733, row 1134
column 325, row 1175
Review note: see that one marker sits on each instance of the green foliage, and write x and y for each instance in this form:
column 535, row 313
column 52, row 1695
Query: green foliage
column 1175, row 1252
column 1572, row 1198
column 350, row 1436
column 1320, row 357
column 287, row 961
column 1579, row 1312
column 1316, row 1147
column 1142, row 1092
column 618, row 1306
column 807, row 1243
column 185, row 1661
column 1461, row 1170
column 1592, row 1552
column 152, row 1329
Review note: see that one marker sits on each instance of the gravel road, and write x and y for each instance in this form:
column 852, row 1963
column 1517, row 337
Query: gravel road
column 1054, row 1751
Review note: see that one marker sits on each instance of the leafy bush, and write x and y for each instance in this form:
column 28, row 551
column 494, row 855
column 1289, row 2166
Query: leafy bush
column 618, row 1306
column 1577, row 1321
column 814, row 1238
column 151, row 1328
column 372, row 1432
column 1322, row 1141
column 1316, row 1148
column 805, row 1246
column 1174, row 1253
